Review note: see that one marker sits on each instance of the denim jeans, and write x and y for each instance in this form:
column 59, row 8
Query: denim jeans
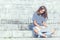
column 40, row 32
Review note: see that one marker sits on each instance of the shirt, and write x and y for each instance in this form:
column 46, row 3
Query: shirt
column 39, row 19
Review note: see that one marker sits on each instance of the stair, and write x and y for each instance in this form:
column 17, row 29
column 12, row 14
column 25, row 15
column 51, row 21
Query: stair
column 29, row 38
column 16, row 18
column 22, row 34
column 14, row 30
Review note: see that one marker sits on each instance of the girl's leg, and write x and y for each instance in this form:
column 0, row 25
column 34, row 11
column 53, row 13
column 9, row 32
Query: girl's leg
column 35, row 32
column 50, row 30
column 43, row 35
column 36, row 29
column 38, row 32
column 49, row 33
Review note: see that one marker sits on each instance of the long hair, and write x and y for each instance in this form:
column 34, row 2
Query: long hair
column 43, row 14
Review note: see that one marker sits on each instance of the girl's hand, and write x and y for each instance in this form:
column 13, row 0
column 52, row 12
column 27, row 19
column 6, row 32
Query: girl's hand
column 38, row 27
column 44, row 23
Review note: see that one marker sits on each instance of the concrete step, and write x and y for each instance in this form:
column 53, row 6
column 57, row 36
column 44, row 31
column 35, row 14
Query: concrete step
column 8, row 27
column 24, row 26
column 22, row 34
column 18, row 34
column 14, row 27
column 29, row 38
column 27, row 20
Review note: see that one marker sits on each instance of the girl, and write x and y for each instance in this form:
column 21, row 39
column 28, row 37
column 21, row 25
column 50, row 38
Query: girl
column 39, row 22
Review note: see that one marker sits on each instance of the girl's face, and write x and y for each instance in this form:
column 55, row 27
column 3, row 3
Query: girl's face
column 42, row 11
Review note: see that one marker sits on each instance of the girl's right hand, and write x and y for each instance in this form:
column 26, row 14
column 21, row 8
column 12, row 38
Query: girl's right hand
column 39, row 27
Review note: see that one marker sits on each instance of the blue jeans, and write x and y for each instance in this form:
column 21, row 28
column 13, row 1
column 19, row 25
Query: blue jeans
column 40, row 32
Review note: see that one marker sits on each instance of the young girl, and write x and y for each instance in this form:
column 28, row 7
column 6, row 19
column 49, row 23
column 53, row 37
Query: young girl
column 39, row 22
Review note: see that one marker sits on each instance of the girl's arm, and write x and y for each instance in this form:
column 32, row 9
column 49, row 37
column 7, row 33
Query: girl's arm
column 35, row 23
column 44, row 23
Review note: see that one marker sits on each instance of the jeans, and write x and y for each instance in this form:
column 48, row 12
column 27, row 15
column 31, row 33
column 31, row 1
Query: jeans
column 40, row 31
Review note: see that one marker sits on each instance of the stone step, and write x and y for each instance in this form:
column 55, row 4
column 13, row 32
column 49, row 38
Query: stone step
column 29, row 38
column 23, row 26
column 22, row 34
column 17, row 21
column 18, row 34
column 8, row 27
column 14, row 27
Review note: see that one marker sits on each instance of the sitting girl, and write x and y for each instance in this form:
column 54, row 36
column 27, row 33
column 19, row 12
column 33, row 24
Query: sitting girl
column 39, row 22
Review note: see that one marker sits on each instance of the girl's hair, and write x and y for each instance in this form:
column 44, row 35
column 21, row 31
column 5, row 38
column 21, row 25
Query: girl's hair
column 45, row 13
